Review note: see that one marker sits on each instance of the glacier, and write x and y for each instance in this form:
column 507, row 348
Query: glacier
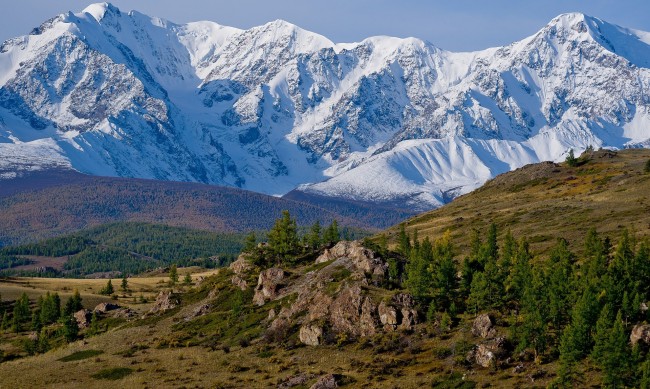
column 276, row 108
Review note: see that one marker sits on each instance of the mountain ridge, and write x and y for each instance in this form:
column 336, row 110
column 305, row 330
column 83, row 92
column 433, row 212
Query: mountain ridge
column 277, row 108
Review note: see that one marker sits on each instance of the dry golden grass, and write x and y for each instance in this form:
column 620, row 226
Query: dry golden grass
column 544, row 202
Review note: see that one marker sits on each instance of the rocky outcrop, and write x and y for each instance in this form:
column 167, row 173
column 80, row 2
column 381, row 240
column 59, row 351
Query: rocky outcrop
column 201, row 310
column 299, row 379
column 165, row 301
column 239, row 282
column 640, row 334
column 353, row 313
column 334, row 299
column 483, row 326
column 399, row 313
column 83, row 318
column 362, row 258
column 123, row 313
column 488, row 353
column 105, row 307
column 327, row 381
column 269, row 283
column 311, row 334
column 242, row 265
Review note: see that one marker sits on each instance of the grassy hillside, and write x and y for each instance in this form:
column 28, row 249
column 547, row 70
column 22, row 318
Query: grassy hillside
column 546, row 201
column 559, row 313
column 49, row 204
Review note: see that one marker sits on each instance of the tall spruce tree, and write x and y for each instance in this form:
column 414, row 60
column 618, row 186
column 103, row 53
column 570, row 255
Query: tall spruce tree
column 283, row 237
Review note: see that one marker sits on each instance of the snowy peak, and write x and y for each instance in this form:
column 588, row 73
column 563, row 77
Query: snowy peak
column 277, row 107
column 100, row 10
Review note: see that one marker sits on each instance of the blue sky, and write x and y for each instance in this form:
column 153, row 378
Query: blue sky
column 451, row 24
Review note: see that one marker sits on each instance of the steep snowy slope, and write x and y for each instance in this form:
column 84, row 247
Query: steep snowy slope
column 277, row 107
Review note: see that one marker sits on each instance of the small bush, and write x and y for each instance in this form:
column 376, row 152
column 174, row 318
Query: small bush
column 115, row 373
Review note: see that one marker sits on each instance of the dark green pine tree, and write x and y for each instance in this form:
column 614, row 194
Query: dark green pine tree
column 332, row 234
column 418, row 275
column 571, row 159
column 444, row 272
column 601, row 334
column 559, row 283
column 314, row 239
column 283, row 238
column 76, row 301
column 617, row 363
column 22, row 313
column 173, row 275
column 576, row 340
column 70, row 328
column 250, row 243
column 404, row 241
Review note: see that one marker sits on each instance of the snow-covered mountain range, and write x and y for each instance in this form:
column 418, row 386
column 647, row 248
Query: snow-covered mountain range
column 275, row 107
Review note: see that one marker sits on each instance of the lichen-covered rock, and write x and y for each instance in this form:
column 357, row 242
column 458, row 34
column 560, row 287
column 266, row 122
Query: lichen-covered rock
column 299, row 379
column 327, row 381
column 353, row 313
column 165, row 301
column 311, row 334
column 105, row 307
column 269, row 283
column 640, row 334
column 362, row 258
column 242, row 265
column 83, row 318
column 483, row 326
column 123, row 313
column 239, row 282
column 387, row 316
column 488, row 353
column 400, row 313
column 201, row 310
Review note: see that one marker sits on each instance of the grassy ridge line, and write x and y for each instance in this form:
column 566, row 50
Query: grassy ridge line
column 546, row 201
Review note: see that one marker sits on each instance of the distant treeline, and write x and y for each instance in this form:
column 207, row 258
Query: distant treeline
column 128, row 248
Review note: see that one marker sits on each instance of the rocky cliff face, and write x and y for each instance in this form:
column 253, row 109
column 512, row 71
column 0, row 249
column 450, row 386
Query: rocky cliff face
column 334, row 299
column 274, row 107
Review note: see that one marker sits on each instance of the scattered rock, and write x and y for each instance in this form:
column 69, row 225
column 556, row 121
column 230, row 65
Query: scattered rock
column 123, row 313
column 640, row 334
column 199, row 311
column 387, row 316
column 486, row 354
column 165, row 301
column 483, row 326
column 105, row 307
column 272, row 314
column 83, row 318
column 239, row 282
column 399, row 313
column 311, row 334
column 518, row 369
column 296, row 380
column 242, row 265
column 268, row 285
column 327, row 381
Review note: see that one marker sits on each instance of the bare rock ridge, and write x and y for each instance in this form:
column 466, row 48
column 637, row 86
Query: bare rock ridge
column 276, row 108
column 333, row 298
